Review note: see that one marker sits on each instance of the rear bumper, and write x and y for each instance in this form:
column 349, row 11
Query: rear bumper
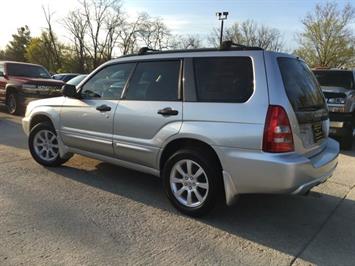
column 247, row 171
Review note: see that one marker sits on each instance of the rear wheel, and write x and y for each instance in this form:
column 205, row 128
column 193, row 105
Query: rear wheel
column 12, row 104
column 192, row 182
column 44, row 146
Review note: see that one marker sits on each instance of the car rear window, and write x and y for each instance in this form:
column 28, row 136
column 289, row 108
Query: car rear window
column 300, row 84
column 30, row 71
column 344, row 79
column 224, row 79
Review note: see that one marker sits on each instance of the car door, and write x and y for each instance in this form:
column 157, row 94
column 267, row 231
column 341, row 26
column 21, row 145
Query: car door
column 87, row 122
column 149, row 112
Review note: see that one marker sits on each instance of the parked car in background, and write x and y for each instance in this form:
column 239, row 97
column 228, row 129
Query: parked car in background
column 21, row 83
column 338, row 86
column 211, row 122
column 65, row 76
column 75, row 81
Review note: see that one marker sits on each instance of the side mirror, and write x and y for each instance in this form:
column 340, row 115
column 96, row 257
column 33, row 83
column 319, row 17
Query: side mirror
column 69, row 91
column 2, row 74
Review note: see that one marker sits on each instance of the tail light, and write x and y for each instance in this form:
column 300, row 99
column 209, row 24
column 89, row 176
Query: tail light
column 277, row 132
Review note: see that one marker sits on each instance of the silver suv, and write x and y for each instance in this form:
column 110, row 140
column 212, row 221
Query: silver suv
column 213, row 123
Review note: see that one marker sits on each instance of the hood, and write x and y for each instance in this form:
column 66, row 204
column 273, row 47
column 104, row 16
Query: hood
column 335, row 89
column 37, row 81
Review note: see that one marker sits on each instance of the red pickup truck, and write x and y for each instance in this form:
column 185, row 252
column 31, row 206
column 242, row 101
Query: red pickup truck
column 21, row 83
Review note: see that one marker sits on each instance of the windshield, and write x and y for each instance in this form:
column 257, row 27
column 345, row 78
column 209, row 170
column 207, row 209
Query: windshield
column 75, row 81
column 301, row 86
column 333, row 78
column 30, row 71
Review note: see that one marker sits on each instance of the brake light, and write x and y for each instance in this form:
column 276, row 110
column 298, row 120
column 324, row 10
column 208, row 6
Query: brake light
column 277, row 132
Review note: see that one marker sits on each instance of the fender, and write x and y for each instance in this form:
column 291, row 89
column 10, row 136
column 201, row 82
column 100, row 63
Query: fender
column 53, row 114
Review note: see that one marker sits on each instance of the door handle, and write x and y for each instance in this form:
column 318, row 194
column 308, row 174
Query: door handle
column 168, row 111
column 103, row 108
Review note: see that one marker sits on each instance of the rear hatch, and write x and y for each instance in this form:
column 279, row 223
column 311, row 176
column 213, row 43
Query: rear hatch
column 308, row 104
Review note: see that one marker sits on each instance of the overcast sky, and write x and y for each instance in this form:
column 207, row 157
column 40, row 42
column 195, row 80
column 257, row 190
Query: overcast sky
column 182, row 16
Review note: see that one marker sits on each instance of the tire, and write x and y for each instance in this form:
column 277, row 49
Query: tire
column 208, row 184
column 347, row 139
column 12, row 104
column 43, row 145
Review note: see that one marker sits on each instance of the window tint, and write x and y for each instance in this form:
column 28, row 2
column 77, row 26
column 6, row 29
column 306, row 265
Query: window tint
column 2, row 68
column 155, row 81
column 31, row 71
column 108, row 83
column 224, row 79
column 301, row 86
column 335, row 78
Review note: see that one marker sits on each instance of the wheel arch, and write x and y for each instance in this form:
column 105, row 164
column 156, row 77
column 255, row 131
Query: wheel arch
column 10, row 88
column 186, row 142
column 40, row 118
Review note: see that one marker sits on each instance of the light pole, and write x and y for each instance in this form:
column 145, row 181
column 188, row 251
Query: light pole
column 222, row 16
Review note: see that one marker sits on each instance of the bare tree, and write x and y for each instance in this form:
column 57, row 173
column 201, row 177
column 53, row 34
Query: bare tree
column 327, row 39
column 154, row 33
column 129, row 34
column 97, row 13
column 186, row 42
column 77, row 26
column 51, row 39
column 251, row 34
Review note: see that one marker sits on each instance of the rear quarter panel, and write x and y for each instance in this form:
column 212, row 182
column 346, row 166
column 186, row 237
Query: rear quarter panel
column 238, row 125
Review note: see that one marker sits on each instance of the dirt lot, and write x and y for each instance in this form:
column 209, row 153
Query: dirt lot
column 93, row 213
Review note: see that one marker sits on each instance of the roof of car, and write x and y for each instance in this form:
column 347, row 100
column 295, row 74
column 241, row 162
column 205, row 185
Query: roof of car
column 16, row 62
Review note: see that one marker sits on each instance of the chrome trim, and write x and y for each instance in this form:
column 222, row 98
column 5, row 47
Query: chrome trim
column 87, row 138
column 133, row 147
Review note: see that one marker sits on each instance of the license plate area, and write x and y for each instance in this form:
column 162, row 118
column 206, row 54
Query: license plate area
column 318, row 133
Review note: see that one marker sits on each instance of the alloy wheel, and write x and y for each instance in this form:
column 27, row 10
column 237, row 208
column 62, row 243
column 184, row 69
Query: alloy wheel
column 189, row 183
column 46, row 145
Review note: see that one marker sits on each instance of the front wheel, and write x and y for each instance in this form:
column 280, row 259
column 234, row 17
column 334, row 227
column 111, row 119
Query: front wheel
column 44, row 146
column 12, row 104
column 192, row 182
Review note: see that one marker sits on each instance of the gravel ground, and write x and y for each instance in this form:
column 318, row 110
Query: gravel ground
column 92, row 213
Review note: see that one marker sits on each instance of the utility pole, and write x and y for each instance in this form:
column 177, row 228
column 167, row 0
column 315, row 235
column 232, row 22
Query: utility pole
column 222, row 16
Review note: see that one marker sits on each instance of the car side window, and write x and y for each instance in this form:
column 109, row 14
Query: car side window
column 108, row 83
column 2, row 68
column 155, row 81
column 224, row 79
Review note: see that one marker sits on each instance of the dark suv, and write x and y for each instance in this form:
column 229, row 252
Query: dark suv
column 21, row 83
column 338, row 86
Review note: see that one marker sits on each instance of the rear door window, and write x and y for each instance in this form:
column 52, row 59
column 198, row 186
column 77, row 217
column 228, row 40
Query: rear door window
column 301, row 86
column 224, row 79
column 155, row 81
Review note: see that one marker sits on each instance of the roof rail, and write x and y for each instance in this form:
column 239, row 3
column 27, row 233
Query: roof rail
column 226, row 46
column 229, row 45
column 144, row 50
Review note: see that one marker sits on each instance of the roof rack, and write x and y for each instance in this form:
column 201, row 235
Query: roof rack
column 230, row 45
column 144, row 50
column 226, row 46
